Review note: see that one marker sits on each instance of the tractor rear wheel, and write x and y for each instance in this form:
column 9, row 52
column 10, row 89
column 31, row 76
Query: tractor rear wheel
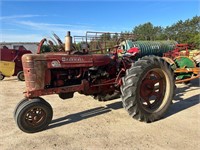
column 20, row 76
column 148, row 88
column 33, row 115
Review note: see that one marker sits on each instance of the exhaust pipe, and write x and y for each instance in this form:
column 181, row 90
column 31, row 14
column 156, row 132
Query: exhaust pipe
column 68, row 42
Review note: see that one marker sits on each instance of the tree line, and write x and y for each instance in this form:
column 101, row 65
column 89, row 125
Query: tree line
column 187, row 31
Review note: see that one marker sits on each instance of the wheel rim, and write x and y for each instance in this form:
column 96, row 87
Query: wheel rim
column 152, row 90
column 35, row 116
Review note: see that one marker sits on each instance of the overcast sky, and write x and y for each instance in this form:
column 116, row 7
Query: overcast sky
column 29, row 20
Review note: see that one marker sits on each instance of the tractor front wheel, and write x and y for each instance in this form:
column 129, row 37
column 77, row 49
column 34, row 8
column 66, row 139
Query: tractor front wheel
column 18, row 105
column 33, row 115
column 148, row 88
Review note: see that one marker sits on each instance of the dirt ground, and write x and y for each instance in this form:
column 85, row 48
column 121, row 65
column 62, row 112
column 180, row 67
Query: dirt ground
column 84, row 123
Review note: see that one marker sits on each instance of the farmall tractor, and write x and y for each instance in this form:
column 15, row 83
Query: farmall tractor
column 146, row 86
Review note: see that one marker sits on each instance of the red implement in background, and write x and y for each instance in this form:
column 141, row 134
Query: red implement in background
column 13, row 55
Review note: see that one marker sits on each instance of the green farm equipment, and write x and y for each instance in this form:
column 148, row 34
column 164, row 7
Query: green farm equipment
column 149, row 47
column 185, row 63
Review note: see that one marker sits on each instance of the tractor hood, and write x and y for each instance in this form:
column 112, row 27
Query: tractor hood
column 63, row 60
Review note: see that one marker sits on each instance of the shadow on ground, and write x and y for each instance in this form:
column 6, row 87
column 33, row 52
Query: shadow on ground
column 179, row 105
column 84, row 115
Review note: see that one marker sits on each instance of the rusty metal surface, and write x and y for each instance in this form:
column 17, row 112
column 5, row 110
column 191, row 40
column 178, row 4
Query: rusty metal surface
column 43, row 73
column 188, row 79
column 66, row 89
column 152, row 86
column 74, row 61
column 34, row 67
column 84, row 87
column 196, row 70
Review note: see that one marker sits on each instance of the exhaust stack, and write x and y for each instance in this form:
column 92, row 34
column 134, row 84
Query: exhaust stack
column 68, row 42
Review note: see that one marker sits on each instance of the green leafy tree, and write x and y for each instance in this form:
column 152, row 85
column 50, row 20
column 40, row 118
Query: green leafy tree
column 145, row 31
column 187, row 31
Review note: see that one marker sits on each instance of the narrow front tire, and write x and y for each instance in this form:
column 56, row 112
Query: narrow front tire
column 33, row 115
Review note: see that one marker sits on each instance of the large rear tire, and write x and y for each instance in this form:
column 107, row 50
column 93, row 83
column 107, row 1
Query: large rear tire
column 148, row 88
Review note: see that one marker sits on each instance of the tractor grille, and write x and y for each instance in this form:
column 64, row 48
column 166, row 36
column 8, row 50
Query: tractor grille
column 34, row 71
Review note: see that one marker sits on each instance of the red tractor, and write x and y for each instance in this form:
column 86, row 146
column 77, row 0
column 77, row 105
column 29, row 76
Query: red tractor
column 146, row 86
